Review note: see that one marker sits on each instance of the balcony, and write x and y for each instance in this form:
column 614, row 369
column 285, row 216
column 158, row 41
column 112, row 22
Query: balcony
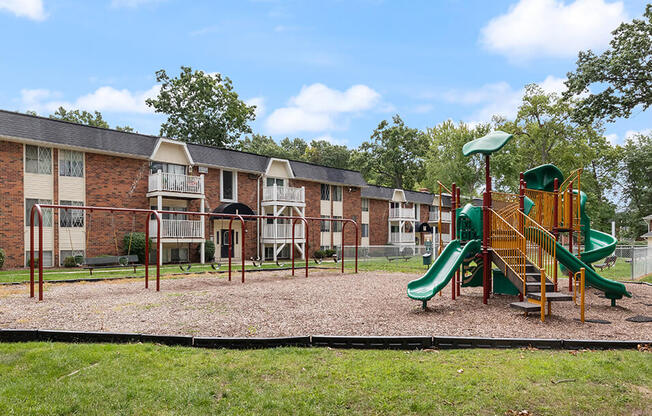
column 282, row 232
column 178, row 229
column 284, row 194
column 401, row 213
column 401, row 238
column 177, row 183
column 434, row 216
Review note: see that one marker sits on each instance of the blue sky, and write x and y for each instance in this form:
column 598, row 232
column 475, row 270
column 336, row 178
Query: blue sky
column 316, row 69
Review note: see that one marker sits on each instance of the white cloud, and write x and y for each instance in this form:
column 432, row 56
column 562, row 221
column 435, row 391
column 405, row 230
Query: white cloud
column 612, row 138
column 319, row 108
column 534, row 28
column 259, row 102
column 31, row 9
column 102, row 99
column 498, row 98
column 332, row 140
column 629, row 134
column 423, row 108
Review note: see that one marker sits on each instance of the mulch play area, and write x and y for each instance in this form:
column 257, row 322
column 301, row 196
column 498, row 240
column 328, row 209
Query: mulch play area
column 274, row 304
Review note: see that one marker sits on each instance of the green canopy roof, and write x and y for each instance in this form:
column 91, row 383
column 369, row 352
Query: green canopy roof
column 488, row 144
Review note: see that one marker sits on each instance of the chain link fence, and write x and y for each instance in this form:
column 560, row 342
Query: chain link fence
column 639, row 257
column 369, row 253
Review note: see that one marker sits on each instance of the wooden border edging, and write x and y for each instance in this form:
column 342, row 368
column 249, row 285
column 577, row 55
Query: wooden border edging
column 349, row 342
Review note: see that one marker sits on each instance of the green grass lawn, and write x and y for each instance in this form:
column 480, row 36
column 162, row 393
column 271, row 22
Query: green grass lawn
column 145, row 379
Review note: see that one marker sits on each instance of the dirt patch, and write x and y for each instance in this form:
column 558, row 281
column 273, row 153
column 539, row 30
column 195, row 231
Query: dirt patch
column 326, row 303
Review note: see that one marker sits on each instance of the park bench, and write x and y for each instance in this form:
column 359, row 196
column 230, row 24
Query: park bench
column 406, row 258
column 106, row 262
column 608, row 263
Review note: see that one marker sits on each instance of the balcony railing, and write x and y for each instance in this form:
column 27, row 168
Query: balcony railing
column 401, row 213
column 178, row 229
column 282, row 231
column 175, row 182
column 284, row 194
column 401, row 238
column 434, row 216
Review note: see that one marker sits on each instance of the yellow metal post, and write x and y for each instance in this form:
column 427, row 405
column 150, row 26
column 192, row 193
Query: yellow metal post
column 582, row 277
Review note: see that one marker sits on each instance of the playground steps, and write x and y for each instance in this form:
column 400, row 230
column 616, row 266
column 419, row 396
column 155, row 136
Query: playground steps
column 551, row 296
column 525, row 306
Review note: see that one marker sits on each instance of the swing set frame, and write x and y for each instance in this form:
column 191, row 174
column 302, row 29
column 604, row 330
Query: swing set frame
column 37, row 211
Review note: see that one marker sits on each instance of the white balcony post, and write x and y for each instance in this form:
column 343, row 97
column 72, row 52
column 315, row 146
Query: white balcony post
column 159, row 180
column 159, row 207
column 202, row 255
column 201, row 186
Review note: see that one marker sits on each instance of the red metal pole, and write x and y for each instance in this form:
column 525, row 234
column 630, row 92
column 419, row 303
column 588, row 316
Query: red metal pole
column 230, row 247
column 158, row 251
column 555, row 222
column 459, row 273
column 40, row 251
column 147, row 251
column 242, row 247
column 305, row 249
column 31, row 254
column 342, row 259
column 356, row 245
column 452, row 229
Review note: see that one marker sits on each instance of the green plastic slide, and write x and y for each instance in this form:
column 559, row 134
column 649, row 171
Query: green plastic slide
column 611, row 289
column 598, row 245
column 442, row 270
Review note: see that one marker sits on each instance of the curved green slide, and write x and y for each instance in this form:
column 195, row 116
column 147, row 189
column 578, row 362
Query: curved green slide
column 442, row 270
column 611, row 289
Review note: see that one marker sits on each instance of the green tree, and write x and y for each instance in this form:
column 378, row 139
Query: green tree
column 324, row 153
column 294, row 148
column 445, row 161
column 623, row 72
column 201, row 108
column 261, row 145
column 80, row 117
column 126, row 129
column 637, row 195
column 395, row 155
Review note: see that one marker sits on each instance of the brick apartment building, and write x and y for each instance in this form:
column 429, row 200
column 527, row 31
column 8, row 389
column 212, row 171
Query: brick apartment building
column 51, row 161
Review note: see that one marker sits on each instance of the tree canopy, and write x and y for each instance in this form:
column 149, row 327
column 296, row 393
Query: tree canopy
column 84, row 117
column 624, row 72
column 201, row 108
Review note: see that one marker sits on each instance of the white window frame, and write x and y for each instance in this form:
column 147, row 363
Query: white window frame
column 337, row 190
column 48, row 218
column 364, row 203
column 38, row 160
column 235, row 185
column 64, row 152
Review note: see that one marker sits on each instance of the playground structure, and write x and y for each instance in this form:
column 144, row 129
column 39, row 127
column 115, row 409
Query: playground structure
column 521, row 234
column 37, row 213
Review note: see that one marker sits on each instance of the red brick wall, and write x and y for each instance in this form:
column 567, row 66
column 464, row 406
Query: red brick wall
column 352, row 204
column 118, row 182
column 247, row 184
column 12, row 204
column 378, row 219
column 313, row 202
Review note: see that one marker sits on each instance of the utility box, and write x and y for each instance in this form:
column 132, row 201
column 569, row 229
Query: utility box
column 427, row 259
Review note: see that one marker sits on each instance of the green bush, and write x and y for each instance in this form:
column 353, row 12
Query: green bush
column 70, row 262
column 137, row 245
column 2, row 258
column 209, row 250
column 320, row 254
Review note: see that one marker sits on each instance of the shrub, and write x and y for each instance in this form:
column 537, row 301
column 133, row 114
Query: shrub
column 209, row 250
column 320, row 254
column 329, row 252
column 70, row 262
column 2, row 258
column 137, row 245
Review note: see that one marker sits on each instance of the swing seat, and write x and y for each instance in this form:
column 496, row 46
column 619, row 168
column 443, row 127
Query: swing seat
column 215, row 266
column 279, row 264
column 185, row 267
column 318, row 261
column 91, row 263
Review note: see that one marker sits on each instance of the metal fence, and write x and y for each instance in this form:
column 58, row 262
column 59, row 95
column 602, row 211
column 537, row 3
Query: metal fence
column 639, row 258
column 369, row 253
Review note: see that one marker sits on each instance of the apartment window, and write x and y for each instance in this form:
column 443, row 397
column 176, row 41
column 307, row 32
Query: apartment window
column 71, row 163
column 47, row 212
column 38, row 160
column 73, row 218
column 337, row 225
column 433, row 208
column 325, row 192
column 394, row 228
column 229, row 186
column 337, row 193
column 47, row 258
column 365, row 205
column 325, row 225
column 179, row 254
column 168, row 216
column 365, row 230
column 167, row 168
column 63, row 254
column 275, row 181
column 417, row 212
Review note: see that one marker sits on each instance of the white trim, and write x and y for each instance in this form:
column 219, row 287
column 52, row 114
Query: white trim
column 285, row 161
column 235, row 186
column 174, row 142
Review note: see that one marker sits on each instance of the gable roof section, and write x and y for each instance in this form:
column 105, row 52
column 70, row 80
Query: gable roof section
column 386, row 193
column 24, row 126
column 232, row 159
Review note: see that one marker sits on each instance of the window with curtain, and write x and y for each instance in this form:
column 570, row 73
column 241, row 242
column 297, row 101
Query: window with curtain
column 365, row 205
column 47, row 212
column 365, row 230
column 38, row 160
column 337, row 193
column 228, row 186
column 325, row 192
column 73, row 218
column 275, row 181
column 71, row 163
column 337, row 225
column 325, row 225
